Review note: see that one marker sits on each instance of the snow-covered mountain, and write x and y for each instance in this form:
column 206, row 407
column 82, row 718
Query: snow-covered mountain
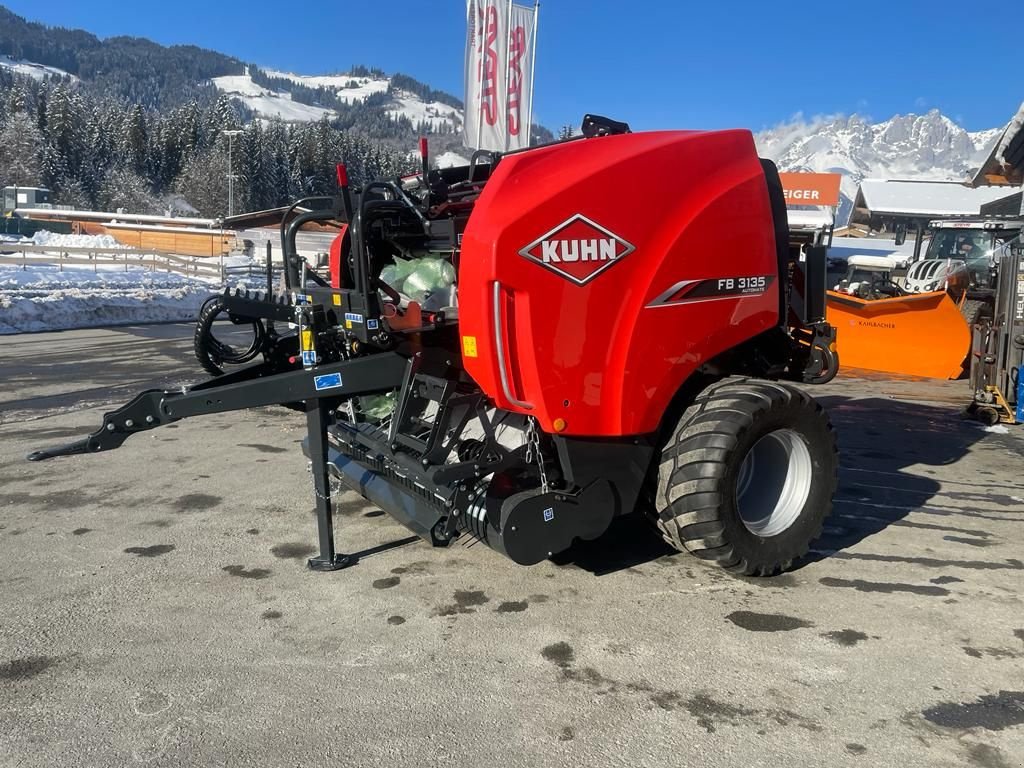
column 929, row 146
column 347, row 88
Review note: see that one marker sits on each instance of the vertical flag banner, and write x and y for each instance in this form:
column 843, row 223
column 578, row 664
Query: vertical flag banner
column 500, row 53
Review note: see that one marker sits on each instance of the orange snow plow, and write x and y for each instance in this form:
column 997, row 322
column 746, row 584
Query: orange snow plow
column 921, row 334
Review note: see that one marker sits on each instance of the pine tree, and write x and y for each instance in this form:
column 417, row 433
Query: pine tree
column 134, row 140
column 253, row 168
column 203, row 182
column 21, row 144
column 123, row 188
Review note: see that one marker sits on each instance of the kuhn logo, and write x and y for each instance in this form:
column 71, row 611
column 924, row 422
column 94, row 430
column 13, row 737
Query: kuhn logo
column 578, row 249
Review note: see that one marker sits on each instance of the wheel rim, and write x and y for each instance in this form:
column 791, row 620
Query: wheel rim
column 774, row 482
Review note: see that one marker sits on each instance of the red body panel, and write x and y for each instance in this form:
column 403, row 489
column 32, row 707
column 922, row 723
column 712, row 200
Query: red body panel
column 334, row 255
column 587, row 348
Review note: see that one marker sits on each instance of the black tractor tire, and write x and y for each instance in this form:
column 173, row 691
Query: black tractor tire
column 212, row 355
column 975, row 311
column 746, row 478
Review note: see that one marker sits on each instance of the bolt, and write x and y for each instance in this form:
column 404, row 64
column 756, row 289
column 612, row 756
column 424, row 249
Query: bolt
column 513, row 527
column 129, row 423
column 110, row 427
column 455, row 513
column 149, row 419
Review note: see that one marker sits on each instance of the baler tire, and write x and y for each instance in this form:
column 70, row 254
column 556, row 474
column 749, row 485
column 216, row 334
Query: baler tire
column 697, row 493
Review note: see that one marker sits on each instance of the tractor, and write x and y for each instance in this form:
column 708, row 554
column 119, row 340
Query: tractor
column 523, row 349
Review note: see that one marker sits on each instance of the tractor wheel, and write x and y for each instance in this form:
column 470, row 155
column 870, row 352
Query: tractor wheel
column 746, row 478
column 974, row 311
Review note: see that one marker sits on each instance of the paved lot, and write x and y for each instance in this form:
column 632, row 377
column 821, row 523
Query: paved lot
column 155, row 606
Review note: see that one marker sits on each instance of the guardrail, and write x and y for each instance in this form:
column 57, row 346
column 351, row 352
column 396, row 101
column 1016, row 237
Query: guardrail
column 18, row 254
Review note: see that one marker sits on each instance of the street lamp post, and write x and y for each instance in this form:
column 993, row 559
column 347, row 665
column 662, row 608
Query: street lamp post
column 231, row 169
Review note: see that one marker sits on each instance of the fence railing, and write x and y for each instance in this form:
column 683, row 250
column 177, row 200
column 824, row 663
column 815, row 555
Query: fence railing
column 60, row 256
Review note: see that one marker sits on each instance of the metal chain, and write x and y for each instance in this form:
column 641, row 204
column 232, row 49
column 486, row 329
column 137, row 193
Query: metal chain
column 334, row 486
column 533, row 452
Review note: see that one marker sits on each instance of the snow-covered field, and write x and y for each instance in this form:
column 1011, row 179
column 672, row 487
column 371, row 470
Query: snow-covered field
column 348, row 88
column 47, row 297
column 33, row 70
column 267, row 103
column 450, row 159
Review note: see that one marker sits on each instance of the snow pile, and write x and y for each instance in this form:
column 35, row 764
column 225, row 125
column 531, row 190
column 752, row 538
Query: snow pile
column 58, row 240
column 44, row 299
column 999, row 429
column 81, row 308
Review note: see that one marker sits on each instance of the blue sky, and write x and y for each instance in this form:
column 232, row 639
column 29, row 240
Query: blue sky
column 654, row 64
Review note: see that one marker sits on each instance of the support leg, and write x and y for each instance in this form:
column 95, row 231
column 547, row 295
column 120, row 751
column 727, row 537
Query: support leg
column 317, row 420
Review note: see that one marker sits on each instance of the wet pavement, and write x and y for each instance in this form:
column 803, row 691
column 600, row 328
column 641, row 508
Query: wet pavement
column 156, row 606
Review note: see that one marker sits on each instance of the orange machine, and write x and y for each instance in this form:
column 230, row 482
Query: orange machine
column 922, row 334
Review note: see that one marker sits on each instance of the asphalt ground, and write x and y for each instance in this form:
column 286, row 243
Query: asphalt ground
column 155, row 606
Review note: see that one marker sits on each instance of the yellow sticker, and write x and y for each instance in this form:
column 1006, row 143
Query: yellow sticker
column 469, row 346
column 348, row 324
column 307, row 341
column 336, row 298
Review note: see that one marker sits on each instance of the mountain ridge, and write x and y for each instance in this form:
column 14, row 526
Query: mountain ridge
column 929, row 147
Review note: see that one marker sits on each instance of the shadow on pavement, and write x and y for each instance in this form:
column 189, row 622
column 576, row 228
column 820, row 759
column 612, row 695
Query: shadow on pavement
column 878, row 440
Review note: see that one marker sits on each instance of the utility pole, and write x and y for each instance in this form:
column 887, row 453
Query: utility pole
column 231, row 169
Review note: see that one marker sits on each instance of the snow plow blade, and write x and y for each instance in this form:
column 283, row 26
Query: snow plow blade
column 920, row 335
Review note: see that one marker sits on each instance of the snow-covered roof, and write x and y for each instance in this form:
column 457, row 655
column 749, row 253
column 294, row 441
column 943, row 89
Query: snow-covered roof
column 1005, row 163
column 105, row 216
column 924, row 198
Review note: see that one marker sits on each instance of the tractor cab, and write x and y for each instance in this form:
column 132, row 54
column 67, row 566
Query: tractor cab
column 869, row 277
column 977, row 243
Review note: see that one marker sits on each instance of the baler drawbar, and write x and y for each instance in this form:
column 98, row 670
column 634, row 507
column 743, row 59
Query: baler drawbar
column 606, row 328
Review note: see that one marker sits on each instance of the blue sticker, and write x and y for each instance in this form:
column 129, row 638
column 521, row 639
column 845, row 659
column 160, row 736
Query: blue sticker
column 309, row 358
column 549, row 514
column 300, row 298
column 372, row 325
column 327, row 381
column 353, row 317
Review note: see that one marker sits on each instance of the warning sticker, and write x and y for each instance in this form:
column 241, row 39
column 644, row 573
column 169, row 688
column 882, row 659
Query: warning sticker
column 309, row 359
column 307, row 340
column 327, row 381
column 372, row 325
column 336, row 298
column 469, row 346
column 353, row 317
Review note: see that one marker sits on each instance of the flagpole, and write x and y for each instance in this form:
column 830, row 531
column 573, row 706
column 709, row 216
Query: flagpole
column 533, row 69
column 479, row 34
column 508, row 70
